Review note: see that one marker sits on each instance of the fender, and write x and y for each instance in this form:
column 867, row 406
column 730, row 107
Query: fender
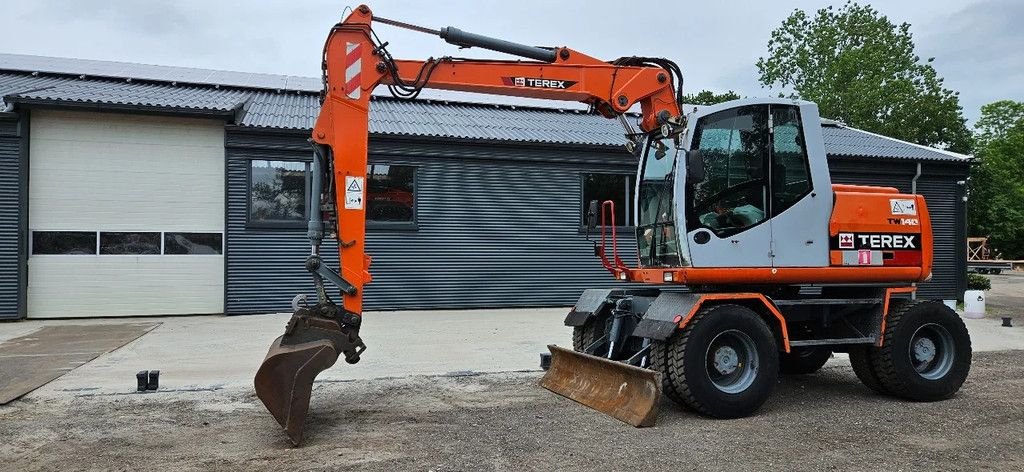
column 672, row 311
column 594, row 300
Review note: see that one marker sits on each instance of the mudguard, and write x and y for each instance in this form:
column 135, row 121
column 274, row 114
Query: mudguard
column 659, row 322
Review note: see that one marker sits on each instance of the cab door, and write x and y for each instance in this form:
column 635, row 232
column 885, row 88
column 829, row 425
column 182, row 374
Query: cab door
column 801, row 188
column 727, row 222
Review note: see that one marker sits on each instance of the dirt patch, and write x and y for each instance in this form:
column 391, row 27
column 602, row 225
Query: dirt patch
column 506, row 422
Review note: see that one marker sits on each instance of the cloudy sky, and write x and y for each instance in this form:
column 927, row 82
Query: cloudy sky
column 978, row 45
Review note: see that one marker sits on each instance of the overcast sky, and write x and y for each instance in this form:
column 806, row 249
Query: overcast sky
column 978, row 45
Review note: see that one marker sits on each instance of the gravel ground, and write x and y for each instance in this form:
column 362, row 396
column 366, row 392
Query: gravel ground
column 506, row 422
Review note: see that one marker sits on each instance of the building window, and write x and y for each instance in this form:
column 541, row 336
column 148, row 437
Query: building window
column 615, row 187
column 277, row 192
column 129, row 244
column 64, row 242
column 193, row 243
column 391, row 193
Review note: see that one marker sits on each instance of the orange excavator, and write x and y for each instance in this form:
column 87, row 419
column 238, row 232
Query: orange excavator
column 751, row 262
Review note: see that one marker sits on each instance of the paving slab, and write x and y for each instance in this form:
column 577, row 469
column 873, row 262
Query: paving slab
column 33, row 359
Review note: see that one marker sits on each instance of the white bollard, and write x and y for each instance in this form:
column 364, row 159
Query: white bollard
column 974, row 304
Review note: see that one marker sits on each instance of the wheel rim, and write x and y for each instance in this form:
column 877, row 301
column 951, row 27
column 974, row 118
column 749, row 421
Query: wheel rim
column 932, row 351
column 731, row 361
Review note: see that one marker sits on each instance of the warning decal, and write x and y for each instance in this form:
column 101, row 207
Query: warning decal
column 353, row 193
column 903, row 207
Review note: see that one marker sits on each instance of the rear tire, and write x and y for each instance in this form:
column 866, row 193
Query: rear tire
column 803, row 360
column 724, row 363
column 926, row 352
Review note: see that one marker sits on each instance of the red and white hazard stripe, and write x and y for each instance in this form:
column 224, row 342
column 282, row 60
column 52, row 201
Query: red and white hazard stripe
column 353, row 66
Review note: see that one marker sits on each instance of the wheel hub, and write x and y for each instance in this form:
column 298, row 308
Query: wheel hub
column 726, row 360
column 924, row 350
column 932, row 351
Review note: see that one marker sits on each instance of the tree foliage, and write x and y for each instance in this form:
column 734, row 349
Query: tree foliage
column 860, row 68
column 707, row 97
column 996, row 207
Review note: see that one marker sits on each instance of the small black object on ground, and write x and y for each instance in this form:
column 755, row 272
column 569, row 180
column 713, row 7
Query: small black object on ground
column 148, row 380
column 545, row 360
column 1007, row 321
column 143, row 378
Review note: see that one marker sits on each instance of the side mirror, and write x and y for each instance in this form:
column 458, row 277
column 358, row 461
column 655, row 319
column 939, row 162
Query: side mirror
column 592, row 214
column 694, row 167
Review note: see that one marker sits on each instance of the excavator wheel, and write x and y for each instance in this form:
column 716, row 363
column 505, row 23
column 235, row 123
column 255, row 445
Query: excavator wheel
column 860, row 360
column 925, row 354
column 724, row 363
column 584, row 336
column 803, row 360
column 659, row 363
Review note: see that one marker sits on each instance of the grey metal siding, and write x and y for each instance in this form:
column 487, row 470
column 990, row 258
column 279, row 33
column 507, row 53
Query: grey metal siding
column 497, row 226
column 11, row 215
column 947, row 209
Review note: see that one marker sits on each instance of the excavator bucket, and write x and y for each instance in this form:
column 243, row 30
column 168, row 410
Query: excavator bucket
column 284, row 382
column 625, row 392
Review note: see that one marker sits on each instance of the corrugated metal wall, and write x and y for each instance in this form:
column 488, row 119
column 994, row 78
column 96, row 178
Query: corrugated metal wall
column 498, row 226
column 11, row 188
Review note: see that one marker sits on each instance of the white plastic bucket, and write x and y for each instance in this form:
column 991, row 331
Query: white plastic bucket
column 974, row 304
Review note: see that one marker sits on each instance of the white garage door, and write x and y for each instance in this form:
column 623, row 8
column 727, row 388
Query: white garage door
column 126, row 215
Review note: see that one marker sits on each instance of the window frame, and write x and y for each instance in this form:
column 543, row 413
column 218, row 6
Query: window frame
column 250, row 222
column 629, row 200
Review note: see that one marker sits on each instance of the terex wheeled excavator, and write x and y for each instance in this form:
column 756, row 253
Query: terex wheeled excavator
column 750, row 261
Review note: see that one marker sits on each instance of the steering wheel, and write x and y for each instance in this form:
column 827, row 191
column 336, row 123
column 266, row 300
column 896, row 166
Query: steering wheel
column 718, row 197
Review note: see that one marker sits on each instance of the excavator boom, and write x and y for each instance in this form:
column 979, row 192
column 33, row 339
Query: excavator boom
column 355, row 63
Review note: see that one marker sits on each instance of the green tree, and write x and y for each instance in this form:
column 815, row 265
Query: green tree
column 997, row 118
column 860, row 68
column 997, row 180
column 707, row 97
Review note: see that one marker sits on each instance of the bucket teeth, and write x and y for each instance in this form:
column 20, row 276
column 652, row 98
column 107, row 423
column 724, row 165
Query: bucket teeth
column 284, row 381
column 628, row 393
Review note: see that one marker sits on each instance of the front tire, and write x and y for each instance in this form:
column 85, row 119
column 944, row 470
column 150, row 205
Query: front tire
column 926, row 352
column 724, row 363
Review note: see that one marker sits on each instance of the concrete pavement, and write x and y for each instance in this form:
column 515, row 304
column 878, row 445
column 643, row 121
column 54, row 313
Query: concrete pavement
column 220, row 352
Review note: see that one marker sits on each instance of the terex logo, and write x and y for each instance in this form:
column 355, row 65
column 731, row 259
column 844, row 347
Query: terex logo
column 533, row 82
column 887, row 241
column 876, row 241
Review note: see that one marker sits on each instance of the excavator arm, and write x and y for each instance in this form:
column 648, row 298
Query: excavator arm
column 355, row 63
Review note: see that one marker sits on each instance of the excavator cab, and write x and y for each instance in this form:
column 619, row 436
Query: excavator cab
column 763, row 176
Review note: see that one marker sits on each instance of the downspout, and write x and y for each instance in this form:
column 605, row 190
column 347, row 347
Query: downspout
column 913, row 191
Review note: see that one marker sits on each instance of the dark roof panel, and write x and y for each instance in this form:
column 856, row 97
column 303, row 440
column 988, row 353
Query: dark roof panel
column 257, row 106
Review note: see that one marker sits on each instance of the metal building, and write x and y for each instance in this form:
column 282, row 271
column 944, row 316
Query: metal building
column 139, row 190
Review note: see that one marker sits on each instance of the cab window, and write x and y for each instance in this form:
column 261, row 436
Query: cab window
column 790, row 174
column 735, row 146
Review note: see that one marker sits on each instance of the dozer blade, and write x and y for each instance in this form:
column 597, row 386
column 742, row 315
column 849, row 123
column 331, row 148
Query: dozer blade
column 625, row 392
column 284, row 382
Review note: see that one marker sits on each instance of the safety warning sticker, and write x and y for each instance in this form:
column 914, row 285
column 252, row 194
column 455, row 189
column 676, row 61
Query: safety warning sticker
column 353, row 193
column 903, row 207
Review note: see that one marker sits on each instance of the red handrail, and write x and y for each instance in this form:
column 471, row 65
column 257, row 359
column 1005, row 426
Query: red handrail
column 616, row 265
